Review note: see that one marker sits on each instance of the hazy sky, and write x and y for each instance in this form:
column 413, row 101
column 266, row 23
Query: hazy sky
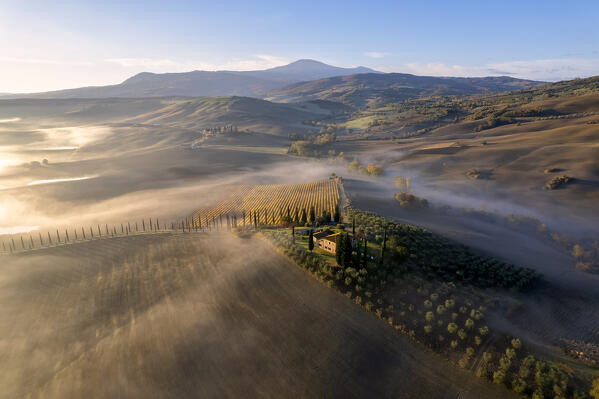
column 47, row 45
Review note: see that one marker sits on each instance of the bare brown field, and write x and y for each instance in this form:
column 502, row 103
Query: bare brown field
column 198, row 315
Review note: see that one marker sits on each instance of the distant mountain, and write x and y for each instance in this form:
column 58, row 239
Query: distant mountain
column 376, row 88
column 205, row 83
column 303, row 70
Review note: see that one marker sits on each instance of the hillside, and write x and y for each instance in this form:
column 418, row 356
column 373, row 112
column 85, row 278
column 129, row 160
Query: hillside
column 504, row 148
column 375, row 89
column 198, row 315
column 205, row 83
column 242, row 112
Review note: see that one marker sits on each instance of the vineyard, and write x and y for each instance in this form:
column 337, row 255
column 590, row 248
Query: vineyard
column 274, row 204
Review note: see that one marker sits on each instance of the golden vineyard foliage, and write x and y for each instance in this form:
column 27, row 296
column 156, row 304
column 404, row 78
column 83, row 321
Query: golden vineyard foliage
column 272, row 202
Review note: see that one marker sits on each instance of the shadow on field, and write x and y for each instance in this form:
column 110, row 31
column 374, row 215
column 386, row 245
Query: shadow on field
column 197, row 315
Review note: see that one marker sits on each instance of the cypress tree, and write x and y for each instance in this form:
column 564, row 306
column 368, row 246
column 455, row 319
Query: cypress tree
column 383, row 247
column 310, row 240
column 339, row 249
column 337, row 215
column 353, row 226
column 348, row 251
column 365, row 252
column 293, row 234
column 312, row 214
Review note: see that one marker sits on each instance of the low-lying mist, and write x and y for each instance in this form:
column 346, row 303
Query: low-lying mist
column 197, row 315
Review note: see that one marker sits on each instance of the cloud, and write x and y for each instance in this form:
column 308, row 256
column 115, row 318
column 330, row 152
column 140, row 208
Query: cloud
column 142, row 62
column 258, row 61
column 375, row 54
column 548, row 69
column 45, row 61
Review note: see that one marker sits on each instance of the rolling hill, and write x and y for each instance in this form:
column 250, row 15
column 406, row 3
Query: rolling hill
column 375, row 89
column 243, row 112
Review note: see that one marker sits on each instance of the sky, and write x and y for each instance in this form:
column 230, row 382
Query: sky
column 50, row 45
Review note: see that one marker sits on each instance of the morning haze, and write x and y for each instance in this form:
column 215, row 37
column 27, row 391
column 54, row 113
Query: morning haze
column 200, row 201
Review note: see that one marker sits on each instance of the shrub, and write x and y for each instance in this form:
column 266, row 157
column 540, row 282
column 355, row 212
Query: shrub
column 518, row 385
column 452, row 328
column 499, row 377
column 429, row 316
column 411, row 201
column 557, row 182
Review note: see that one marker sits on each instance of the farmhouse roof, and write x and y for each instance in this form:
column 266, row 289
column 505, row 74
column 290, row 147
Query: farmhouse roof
column 322, row 234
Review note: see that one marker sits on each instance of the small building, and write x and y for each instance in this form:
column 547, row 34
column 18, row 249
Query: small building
column 321, row 234
column 327, row 241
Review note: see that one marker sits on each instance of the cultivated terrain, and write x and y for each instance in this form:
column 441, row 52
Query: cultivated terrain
column 508, row 167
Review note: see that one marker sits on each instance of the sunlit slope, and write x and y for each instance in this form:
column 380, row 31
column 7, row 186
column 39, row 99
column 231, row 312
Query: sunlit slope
column 243, row 112
column 271, row 203
column 197, row 315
